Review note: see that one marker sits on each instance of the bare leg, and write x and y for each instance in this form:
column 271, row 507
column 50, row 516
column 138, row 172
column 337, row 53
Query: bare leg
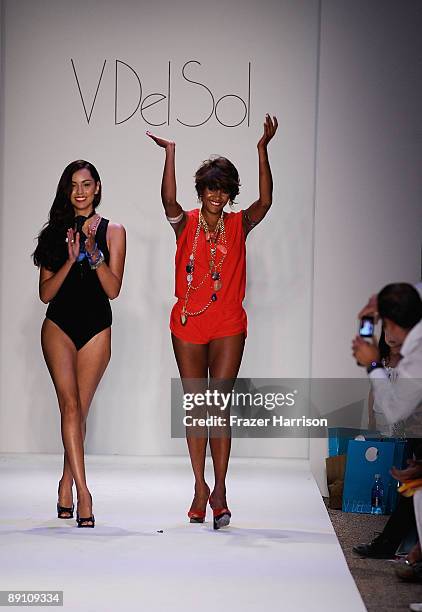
column 61, row 358
column 192, row 363
column 225, row 356
column 91, row 363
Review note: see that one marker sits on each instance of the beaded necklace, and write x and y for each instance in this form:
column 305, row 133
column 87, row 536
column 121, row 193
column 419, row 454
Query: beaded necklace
column 217, row 242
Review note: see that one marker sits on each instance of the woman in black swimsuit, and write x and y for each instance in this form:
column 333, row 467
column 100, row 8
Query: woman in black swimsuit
column 81, row 259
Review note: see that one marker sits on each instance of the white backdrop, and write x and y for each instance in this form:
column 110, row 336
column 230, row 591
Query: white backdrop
column 310, row 268
column 190, row 55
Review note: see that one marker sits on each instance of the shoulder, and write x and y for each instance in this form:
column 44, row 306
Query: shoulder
column 192, row 214
column 233, row 216
column 190, row 218
column 116, row 234
column 234, row 219
column 115, row 229
column 412, row 346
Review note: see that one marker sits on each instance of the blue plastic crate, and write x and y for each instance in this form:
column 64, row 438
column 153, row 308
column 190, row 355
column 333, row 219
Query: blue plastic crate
column 339, row 438
column 360, row 473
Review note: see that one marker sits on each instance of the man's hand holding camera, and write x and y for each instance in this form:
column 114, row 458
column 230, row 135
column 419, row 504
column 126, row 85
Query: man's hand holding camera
column 367, row 353
column 364, row 352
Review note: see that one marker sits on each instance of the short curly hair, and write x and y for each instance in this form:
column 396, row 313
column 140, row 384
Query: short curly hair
column 217, row 173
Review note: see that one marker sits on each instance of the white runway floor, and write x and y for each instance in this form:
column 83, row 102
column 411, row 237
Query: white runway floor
column 279, row 553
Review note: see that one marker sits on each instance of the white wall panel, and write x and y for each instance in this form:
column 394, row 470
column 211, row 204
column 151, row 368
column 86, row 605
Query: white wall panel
column 46, row 127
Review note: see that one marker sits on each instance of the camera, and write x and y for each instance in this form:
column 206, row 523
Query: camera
column 366, row 327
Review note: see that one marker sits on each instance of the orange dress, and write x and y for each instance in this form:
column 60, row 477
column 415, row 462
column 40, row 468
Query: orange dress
column 225, row 316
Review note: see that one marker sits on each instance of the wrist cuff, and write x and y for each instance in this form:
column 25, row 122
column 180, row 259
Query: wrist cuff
column 373, row 366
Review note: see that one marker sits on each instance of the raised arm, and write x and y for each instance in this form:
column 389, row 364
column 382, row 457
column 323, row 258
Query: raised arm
column 174, row 212
column 257, row 211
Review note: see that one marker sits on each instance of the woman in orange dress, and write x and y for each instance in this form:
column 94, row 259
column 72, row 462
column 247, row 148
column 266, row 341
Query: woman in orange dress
column 208, row 323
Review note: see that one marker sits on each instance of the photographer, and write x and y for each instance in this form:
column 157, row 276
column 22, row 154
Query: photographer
column 400, row 307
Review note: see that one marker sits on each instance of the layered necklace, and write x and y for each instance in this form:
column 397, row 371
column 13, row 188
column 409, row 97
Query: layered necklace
column 216, row 242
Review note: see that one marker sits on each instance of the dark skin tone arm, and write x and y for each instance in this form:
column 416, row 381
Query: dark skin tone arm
column 168, row 184
column 257, row 211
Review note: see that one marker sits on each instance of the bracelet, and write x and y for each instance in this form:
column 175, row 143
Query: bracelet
column 94, row 256
column 174, row 220
column 91, row 255
column 97, row 263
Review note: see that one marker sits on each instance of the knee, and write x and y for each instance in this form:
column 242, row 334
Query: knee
column 70, row 408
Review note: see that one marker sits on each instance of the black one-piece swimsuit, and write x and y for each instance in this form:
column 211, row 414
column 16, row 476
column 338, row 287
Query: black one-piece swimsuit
column 81, row 308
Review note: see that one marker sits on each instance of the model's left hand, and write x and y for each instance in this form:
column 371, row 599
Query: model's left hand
column 270, row 128
column 90, row 242
column 364, row 352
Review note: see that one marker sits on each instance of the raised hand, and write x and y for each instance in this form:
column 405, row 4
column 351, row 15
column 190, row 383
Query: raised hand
column 162, row 142
column 371, row 308
column 270, row 128
column 73, row 245
column 365, row 352
column 90, row 241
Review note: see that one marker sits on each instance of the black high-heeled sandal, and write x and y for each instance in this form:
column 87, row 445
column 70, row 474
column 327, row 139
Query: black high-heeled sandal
column 83, row 522
column 63, row 510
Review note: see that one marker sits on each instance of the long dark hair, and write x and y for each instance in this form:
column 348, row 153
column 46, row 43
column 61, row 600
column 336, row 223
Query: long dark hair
column 383, row 347
column 51, row 251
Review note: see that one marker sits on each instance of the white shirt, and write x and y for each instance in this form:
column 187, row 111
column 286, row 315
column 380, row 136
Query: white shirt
column 389, row 430
column 402, row 399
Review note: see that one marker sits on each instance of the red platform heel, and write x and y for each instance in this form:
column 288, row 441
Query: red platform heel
column 196, row 516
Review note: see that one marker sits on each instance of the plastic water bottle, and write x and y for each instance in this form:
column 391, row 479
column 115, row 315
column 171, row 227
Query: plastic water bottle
column 377, row 496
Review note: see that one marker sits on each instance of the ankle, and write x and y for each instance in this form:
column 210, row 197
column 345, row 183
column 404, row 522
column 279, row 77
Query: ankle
column 66, row 482
column 201, row 486
column 84, row 494
column 218, row 500
column 219, row 490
